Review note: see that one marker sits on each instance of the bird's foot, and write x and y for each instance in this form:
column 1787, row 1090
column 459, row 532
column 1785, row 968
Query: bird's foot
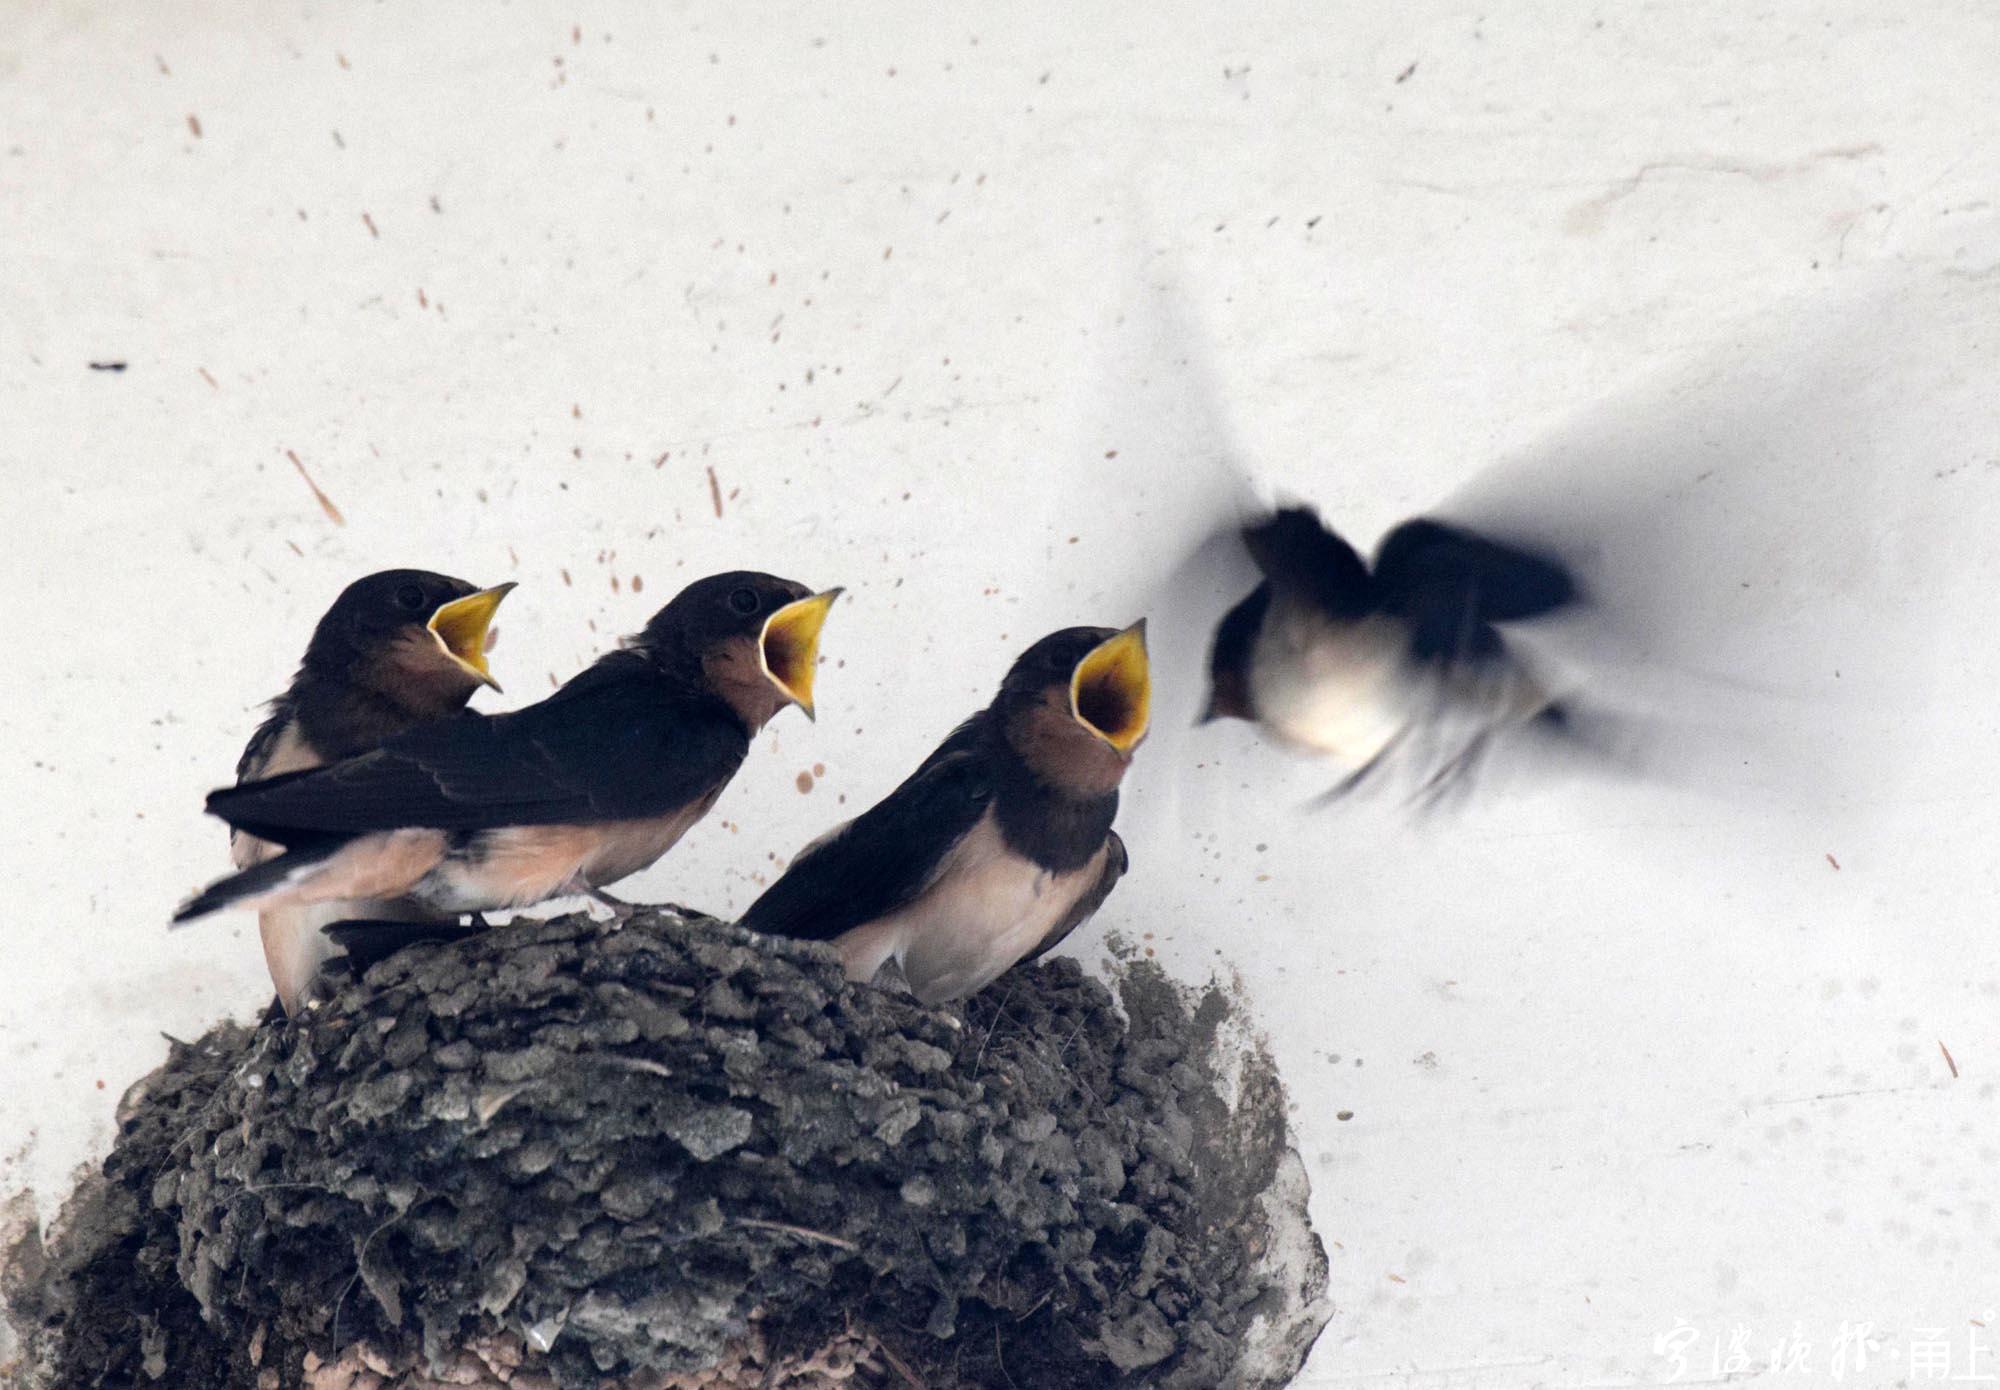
column 1351, row 782
column 620, row 911
column 1454, row 778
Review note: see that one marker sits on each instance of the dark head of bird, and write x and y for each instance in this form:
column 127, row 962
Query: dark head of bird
column 415, row 639
column 1077, row 704
column 750, row 638
column 1229, row 658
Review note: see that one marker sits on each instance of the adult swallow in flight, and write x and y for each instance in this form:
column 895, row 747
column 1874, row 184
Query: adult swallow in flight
column 1354, row 664
column 1000, row 844
column 566, row 796
column 396, row 649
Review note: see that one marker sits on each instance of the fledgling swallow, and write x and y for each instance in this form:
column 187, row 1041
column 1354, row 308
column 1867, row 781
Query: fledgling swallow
column 396, row 649
column 1000, row 844
column 564, row 797
column 1354, row 664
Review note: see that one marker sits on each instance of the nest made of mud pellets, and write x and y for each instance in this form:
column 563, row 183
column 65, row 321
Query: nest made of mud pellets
column 565, row 1154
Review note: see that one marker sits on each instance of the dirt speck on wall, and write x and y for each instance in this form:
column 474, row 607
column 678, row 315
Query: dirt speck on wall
column 560, row 1154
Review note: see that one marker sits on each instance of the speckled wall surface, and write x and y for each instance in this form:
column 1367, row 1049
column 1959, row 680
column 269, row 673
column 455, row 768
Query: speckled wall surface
column 959, row 308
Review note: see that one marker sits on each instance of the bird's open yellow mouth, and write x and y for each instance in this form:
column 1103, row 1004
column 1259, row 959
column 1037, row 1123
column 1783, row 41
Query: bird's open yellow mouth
column 461, row 629
column 1111, row 690
column 789, row 646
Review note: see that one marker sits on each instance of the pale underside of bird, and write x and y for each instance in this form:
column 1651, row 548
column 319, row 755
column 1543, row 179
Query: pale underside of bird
column 1353, row 695
column 984, row 908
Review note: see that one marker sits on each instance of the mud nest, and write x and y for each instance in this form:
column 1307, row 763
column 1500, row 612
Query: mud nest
column 561, row 1154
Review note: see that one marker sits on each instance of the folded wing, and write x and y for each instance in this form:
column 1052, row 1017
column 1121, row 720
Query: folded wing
column 883, row 858
column 602, row 749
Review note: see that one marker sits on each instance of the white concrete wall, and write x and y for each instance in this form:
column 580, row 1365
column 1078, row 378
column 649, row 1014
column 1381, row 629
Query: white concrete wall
column 960, row 307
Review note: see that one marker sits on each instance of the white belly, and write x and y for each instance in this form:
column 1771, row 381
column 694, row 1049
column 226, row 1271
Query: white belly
column 1350, row 692
column 986, row 909
column 1345, row 691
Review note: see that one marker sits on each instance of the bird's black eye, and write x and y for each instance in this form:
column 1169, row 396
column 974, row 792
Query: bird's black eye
column 744, row 601
column 1056, row 659
column 410, row 596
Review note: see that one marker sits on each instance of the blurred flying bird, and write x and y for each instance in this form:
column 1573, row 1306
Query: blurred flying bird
column 1356, row 664
column 1720, row 579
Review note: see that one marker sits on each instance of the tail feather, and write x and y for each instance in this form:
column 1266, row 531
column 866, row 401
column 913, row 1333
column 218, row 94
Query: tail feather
column 368, row 942
column 256, row 881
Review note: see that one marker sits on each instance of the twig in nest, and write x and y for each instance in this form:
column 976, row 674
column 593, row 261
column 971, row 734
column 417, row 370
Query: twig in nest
column 1075, row 1077
column 897, row 1364
column 1070, row 1041
column 801, row 1232
column 1036, row 1306
column 1000, row 1357
column 281, row 1187
column 360, row 1257
column 262, row 1040
column 999, row 1012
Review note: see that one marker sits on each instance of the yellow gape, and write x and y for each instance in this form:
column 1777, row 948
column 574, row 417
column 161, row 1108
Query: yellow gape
column 460, row 628
column 789, row 646
column 1111, row 691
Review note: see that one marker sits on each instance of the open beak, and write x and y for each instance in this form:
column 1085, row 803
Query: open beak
column 1111, row 690
column 789, row 646
column 461, row 628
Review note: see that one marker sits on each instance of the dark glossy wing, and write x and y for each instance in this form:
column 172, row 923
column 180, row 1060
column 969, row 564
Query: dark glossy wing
column 884, row 857
column 1115, row 864
column 619, row 742
column 1506, row 583
column 1449, row 584
column 1299, row 555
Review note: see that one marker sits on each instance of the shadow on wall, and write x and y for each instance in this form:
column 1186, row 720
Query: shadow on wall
column 1765, row 557
column 1762, row 556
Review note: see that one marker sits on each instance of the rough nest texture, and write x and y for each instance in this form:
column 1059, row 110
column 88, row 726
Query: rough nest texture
column 675, row 1155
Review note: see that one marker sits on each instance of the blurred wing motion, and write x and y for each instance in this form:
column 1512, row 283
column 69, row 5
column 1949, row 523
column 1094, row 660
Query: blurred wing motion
column 1401, row 665
column 1448, row 584
column 1304, row 561
column 1712, row 587
column 1756, row 624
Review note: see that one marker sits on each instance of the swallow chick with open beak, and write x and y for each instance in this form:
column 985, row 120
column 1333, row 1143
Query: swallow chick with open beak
column 1355, row 664
column 564, row 797
column 1000, row 844
column 396, row 649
